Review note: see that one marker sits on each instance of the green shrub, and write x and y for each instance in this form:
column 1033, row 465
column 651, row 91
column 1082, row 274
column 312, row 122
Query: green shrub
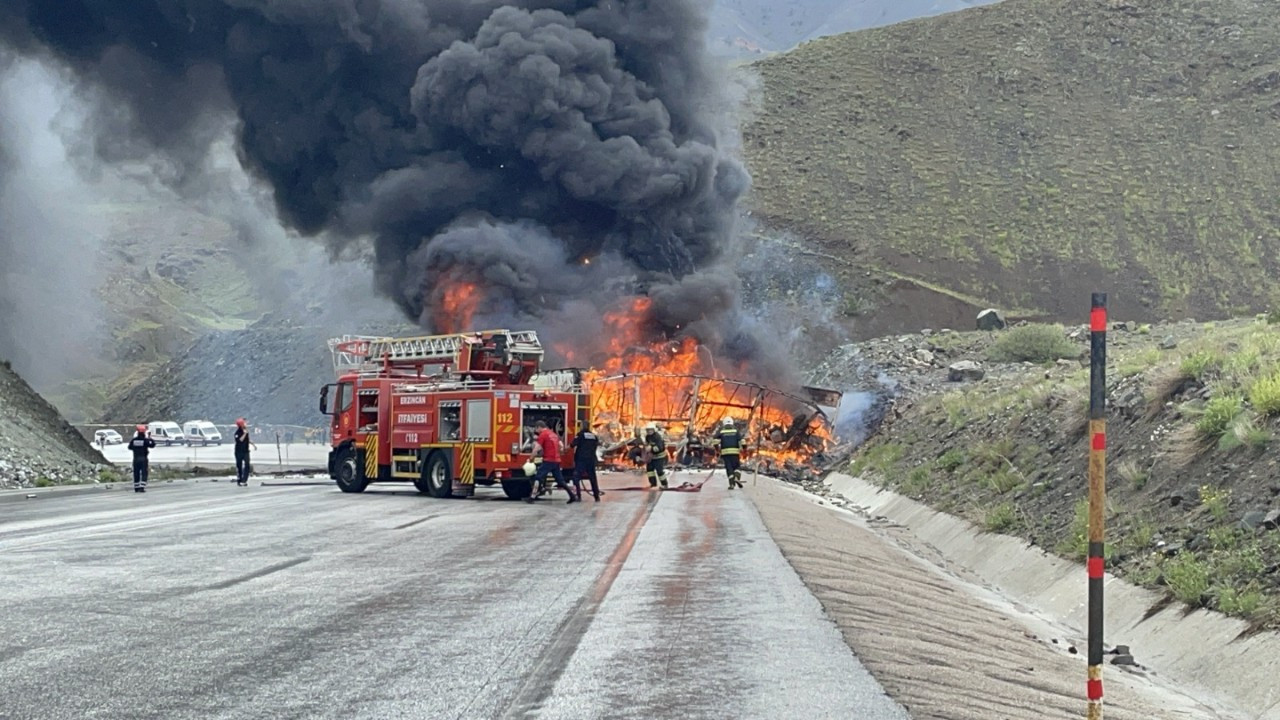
column 1188, row 578
column 951, row 460
column 1264, row 394
column 1241, row 603
column 1005, row 480
column 1033, row 343
column 1198, row 365
column 1001, row 518
column 1218, row 414
column 1245, row 431
column 1215, row 501
column 1132, row 474
column 1076, row 544
column 917, row 481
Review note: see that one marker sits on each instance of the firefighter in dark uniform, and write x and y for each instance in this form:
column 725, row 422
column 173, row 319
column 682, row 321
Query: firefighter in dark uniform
column 730, row 451
column 585, row 444
column 243, row 442
column 655, row 450
column 141, row 446
column 691, row 455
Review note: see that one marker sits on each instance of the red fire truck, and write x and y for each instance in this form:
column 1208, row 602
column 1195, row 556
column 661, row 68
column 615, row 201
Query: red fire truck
column 445, row 412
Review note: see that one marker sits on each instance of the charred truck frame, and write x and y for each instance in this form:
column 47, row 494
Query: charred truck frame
column 445, row 412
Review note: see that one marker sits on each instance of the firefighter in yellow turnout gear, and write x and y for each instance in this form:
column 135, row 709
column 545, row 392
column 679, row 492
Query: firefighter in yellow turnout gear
column 655, row 454
column 730, row 443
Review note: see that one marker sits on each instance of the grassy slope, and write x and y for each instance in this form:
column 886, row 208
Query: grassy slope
column 171, row 275
column 1190, row 455
column 1029, row 152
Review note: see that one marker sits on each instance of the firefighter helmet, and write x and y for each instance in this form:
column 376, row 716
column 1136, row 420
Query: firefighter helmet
column 529, row 468
column 727, row 422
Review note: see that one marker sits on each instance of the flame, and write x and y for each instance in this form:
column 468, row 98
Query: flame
column 457, row 307
column 677, row 384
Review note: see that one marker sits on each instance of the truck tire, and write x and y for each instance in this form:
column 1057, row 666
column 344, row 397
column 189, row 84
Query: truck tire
column 517, row 488
column 437, row 476
column 347, row 474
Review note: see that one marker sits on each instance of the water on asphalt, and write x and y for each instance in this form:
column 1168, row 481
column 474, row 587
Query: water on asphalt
column 215, row 601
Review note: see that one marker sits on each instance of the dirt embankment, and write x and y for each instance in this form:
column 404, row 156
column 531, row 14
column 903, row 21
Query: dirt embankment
column 1193, row 487
column 37, row 446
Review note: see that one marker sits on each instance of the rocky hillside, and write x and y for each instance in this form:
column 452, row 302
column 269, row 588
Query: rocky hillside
column 270, row 372
column 1193, row 484
column 38, row 447
column 1024, row 154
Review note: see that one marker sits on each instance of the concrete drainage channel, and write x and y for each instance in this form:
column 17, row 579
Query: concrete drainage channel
column 1201, row 649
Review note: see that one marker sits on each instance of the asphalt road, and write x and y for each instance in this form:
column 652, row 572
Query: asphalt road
column 214, row 601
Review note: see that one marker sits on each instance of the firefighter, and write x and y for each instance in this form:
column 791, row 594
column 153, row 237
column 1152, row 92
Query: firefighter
column 730, row 443
column 585, row 444
column 141, row 446
column 546, row 456
column 691, row 449
column 655, row 450
column 242, row 453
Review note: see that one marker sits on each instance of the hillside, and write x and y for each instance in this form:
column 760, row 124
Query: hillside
column 38, row 447
column 1025, row 154
column 271, row 372
column 1193, row 417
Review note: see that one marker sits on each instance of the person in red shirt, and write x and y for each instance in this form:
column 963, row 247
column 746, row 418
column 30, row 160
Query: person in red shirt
column 546, row 455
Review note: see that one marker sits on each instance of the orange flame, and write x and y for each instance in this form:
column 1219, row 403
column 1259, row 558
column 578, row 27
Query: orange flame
column 680, row 388
column 456, row 308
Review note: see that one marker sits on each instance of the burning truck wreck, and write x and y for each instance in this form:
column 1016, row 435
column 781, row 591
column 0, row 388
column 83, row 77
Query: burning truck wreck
column 785, row 434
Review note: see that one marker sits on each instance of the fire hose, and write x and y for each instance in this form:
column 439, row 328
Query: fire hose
column 685, row 486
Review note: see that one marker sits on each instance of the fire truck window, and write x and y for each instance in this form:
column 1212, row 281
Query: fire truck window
column 479, row 419
column 344, row 397
column 450, row 423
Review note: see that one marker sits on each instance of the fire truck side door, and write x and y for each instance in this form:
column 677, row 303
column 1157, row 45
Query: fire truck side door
column 343, row 422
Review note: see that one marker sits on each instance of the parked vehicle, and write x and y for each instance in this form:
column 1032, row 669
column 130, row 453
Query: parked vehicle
column 166, row 433
column 202, row 432
column 107, row 437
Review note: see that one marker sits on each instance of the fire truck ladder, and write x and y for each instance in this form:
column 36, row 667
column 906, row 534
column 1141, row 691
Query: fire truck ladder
column 355, row 351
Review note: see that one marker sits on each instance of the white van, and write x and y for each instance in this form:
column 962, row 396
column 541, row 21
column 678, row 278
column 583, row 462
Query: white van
column 203, row 432
column 166, row 433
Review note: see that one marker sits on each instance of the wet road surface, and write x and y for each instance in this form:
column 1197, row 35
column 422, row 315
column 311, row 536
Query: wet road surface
column 213, row 601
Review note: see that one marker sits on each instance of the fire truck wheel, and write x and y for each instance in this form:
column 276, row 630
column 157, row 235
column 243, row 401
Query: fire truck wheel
column 349, row 479
column 437, row 476
column 517, row 488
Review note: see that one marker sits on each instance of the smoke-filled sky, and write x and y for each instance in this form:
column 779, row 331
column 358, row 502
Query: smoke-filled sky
column 47, row 248
column 502, row 144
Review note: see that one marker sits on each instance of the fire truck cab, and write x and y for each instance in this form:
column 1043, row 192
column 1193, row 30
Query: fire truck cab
column 445, row 412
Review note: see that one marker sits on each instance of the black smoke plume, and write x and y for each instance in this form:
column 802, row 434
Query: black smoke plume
column 556, row 154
